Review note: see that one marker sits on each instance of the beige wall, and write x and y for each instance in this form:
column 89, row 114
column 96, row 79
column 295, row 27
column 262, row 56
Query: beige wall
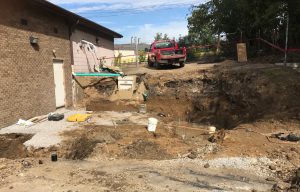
column 85, row 60
column 26, row 72
column 126, row 55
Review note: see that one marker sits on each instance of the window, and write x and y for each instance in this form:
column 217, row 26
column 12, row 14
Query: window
column 24, row 22
column 162, row 45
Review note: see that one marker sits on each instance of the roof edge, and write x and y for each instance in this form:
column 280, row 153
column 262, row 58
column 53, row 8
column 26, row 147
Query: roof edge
column 77, row 18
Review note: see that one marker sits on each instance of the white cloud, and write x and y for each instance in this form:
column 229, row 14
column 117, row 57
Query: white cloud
column 147, row 32
column 117, row 5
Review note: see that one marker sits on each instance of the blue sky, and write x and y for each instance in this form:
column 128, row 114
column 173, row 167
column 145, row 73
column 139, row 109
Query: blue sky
column 143, row 18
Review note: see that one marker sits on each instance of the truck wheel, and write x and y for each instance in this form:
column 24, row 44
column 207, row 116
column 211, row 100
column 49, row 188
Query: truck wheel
column 182, row 64
column 157, row 65
column 150, row 64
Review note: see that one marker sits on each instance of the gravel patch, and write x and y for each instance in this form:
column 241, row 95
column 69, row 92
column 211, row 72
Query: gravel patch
column 256, row 166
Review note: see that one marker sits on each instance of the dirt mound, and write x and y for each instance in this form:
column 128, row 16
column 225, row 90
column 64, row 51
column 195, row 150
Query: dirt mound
column 144, row 149
column 81, row 148
column 11, row 146
column 295, row 180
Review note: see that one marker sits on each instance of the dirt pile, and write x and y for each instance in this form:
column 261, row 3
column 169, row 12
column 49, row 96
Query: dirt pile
column 144, row 149
column 128, row 141
column 295, row 181
column 291, row 185
column 81, row 148
column 11, row 146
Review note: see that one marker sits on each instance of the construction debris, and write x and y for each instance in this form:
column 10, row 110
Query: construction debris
column 287, row 137
column 24, row 123
column 55, row 117
column 79, row 117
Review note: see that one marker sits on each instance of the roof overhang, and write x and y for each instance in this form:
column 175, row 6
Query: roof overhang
column 76, row 19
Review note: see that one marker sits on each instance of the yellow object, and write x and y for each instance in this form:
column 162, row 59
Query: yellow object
column 78, row 117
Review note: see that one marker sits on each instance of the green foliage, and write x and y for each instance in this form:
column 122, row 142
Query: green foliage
column 118, row 60
column 142, row 56
column 246, row 18
column 102, row 62
column 160, row 36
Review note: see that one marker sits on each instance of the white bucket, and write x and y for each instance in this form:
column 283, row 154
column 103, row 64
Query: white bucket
column 212, row 130
column 152, row 124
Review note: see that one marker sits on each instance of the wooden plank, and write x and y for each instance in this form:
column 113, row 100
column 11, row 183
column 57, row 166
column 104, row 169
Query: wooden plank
column 242, row 52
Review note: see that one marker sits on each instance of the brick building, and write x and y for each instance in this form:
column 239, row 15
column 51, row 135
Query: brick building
column 36, row 57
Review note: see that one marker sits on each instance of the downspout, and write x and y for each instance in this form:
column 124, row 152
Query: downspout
column 71, row 28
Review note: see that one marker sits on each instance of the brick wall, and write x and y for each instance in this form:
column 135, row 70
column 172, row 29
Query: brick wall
column 26, row 72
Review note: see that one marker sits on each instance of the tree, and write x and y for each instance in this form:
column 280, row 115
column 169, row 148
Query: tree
column 142, row 56
column 160, row 36
column 166, row 37
column 245, row 19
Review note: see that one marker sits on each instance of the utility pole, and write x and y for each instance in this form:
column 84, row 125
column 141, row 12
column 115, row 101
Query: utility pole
column 286, row 40
column 136, row 42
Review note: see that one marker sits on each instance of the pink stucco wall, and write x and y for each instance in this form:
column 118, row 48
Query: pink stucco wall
column 83, row 58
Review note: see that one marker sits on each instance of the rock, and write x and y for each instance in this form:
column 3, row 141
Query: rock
column 11, row 187
column 2, row 167
column 206, row 165
column 26, row 164
column 298, row 173
column 161, row 115
column 41, row 162
column 192, row 155
column 270, row 179
column 272, row 167
column 289, row 157
column 21, row 175
column 294, row 150
column 282, row 185
column 140, row 176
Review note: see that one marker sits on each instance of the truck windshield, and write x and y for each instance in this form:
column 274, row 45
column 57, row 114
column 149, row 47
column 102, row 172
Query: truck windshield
column 162, row 45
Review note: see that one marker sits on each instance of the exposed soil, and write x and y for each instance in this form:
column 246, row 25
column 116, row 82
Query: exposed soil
column 11, row 146
column 144, row 149
column 295, row 181
column 242, row 96
column 81, row 148
column 105, row 105
column 226, row 96
column 247, row 103
column 131, row 142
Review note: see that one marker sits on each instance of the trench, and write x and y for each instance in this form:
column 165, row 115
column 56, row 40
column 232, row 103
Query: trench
column 224, row 97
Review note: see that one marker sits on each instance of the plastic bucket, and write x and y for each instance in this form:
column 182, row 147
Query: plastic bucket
column 152, row 123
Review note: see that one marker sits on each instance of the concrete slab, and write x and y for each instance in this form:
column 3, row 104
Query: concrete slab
column 46, row 133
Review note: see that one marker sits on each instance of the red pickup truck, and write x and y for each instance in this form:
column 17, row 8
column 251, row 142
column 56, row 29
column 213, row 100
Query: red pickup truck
column 166, row 52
